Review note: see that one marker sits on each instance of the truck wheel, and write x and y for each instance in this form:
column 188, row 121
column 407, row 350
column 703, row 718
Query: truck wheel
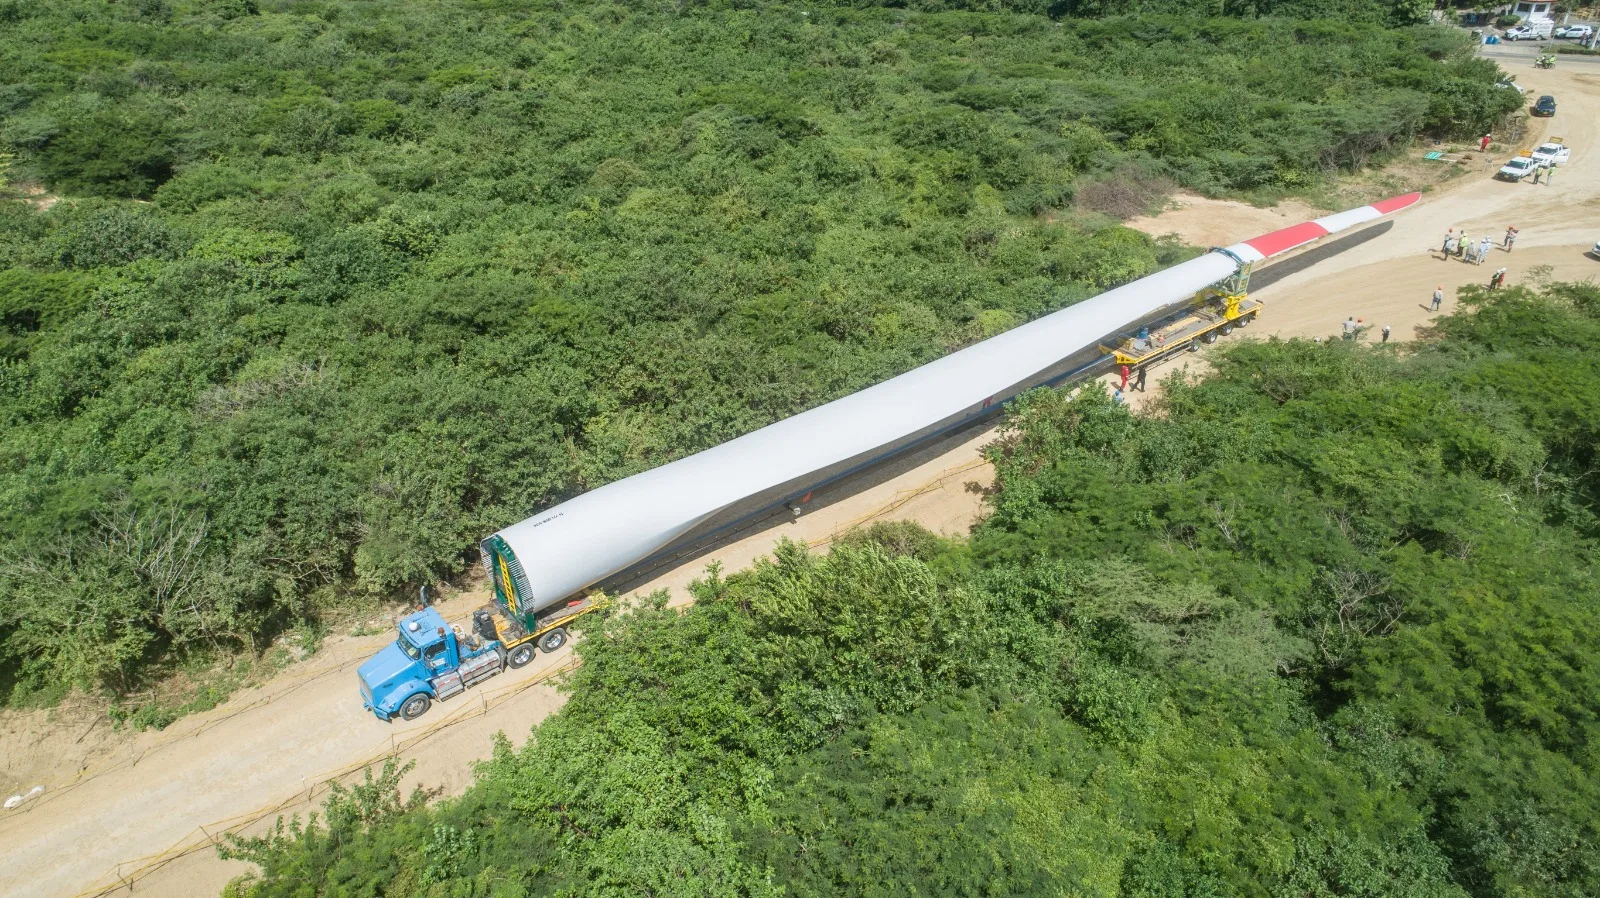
column 520, row 656
column 1227, row 329
column 415, row 706
column 1210, row 337
column 553, row 640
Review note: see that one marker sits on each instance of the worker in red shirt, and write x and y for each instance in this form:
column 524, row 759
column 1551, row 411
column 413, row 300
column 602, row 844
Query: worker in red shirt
column 1483, row 144
column 1124, row 372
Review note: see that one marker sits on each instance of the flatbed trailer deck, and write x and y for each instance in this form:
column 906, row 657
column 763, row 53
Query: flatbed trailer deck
column 1214, row 314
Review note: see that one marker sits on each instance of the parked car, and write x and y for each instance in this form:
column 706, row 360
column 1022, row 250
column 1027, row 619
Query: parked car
column 1552, row 153
column 1546, row 106
column 1581, row 32
column 1518, row 167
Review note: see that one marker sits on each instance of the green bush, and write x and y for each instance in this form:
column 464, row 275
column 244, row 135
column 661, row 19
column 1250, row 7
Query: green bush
column 111, row 152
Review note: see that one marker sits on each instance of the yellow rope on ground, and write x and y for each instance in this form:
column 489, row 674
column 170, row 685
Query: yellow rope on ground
column 211, row 835
column 90, row 773
column 900, row 499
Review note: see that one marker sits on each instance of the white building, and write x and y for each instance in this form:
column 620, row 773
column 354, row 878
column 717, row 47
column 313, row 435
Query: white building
column 1532, row 11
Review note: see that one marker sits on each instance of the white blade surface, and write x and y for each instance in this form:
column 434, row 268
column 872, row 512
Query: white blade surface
column 607, row 530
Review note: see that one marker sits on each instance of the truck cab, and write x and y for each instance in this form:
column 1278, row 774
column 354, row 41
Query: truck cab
column 428, row 661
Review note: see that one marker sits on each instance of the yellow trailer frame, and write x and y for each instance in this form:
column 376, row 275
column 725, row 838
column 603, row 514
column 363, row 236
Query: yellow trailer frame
column 511, row 633
column 1214, row 314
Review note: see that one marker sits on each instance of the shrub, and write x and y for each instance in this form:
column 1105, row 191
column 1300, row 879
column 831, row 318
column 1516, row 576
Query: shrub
column 109, row 152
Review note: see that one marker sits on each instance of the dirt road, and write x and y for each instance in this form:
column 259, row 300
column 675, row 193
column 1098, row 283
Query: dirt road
column 267, row 750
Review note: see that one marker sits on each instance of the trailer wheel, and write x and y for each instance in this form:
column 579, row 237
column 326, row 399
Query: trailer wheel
column 1242, row 320
column 1210, row 337
column 415, row 706
column 553, row 640
column 1194, row 346
column 520, row 656
column 1227, row 329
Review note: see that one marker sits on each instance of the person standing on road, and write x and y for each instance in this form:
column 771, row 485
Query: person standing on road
column 1350, row 328
column 1124, row 372
column 1511, row 237
column 1483, row 248
column 1386, row 333
column 1549, row 175
column 1438, row 297
column 1449, row 240
column 1118, row 398
column 1461, row 247
column 1498, row 279
column 1483, row 144
column 1139, row 382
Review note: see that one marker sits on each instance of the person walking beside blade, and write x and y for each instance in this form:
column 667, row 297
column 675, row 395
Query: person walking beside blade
column 1449, row 240
column 1438, row 297
column 1124, row 372
column 1386, row 333
column 1139, row 382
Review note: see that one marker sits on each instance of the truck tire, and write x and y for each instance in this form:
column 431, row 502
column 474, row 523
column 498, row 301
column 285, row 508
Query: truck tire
column 520, row 656
column 1210, row 337
column 553, row 640
column 415, row 706
column 1226, row 329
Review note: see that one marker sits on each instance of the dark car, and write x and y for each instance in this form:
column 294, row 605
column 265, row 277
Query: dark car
column 1545, row 106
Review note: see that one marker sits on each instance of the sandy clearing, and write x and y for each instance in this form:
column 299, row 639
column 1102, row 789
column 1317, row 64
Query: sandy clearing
column 267, row 746
column 1200, row 221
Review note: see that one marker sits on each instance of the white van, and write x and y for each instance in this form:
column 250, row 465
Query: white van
column 1534, row 31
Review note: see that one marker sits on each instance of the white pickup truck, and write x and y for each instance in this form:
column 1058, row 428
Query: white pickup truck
column 1519, row 167
column 1552, row 152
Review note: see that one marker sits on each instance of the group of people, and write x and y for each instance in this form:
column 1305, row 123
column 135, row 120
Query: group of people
column 1461, row 246
column 1353, row 327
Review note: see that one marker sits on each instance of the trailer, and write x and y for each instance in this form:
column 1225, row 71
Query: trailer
column 1215, row 312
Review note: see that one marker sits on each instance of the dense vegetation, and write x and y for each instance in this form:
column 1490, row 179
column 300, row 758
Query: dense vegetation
column 1325, row 626
column 335, row 288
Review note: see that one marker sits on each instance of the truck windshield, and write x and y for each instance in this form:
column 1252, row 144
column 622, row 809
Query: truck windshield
column 411, row 651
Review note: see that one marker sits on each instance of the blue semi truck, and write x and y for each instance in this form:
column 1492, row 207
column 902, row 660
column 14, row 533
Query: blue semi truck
column 432, row 661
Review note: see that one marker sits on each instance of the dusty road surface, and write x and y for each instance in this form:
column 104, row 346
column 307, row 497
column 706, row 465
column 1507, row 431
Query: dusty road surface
column 267, row 750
